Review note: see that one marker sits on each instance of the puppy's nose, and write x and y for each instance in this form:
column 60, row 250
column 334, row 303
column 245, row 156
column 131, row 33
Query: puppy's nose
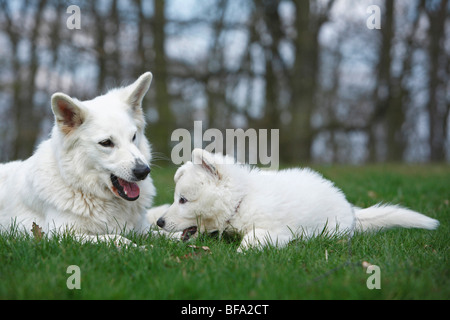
column 141, row 171
column 161, row 222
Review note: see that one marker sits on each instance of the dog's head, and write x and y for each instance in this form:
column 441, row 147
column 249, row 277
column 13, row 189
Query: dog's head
column 203, row 199
column 100, row 143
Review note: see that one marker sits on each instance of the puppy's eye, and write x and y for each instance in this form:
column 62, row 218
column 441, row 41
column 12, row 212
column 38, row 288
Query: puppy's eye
column 107, row 143
column 182, row 200
column 134, row 137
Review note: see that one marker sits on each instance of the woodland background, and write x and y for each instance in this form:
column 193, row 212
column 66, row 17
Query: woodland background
column 338, row 91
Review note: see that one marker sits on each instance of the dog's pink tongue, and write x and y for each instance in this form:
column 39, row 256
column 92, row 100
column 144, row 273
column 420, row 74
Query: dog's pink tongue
column 130, row 188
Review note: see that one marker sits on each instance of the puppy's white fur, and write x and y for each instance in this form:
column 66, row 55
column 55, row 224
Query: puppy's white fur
column 266, row 207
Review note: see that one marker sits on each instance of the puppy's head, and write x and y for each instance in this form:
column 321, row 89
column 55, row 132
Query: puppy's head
column 203, row 196
column 100, row 143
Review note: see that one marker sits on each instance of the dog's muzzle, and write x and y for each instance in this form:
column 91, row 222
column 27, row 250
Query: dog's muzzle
column 130, row 190
column 161, row 222
column 186, row 234
column 141, row 171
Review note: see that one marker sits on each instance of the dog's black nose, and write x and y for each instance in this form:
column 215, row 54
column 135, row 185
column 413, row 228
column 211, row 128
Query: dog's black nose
column 141, row 171
column 161, row 222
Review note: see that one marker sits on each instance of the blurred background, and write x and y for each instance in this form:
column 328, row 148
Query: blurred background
column 338, row 91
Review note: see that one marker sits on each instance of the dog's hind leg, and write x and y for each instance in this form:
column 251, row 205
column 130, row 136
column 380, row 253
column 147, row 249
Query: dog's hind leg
column 260, row 238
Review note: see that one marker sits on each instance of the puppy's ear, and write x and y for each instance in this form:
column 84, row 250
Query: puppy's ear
column 206, row 160
column 68, row 114
column 138, row 89
column 179, row 173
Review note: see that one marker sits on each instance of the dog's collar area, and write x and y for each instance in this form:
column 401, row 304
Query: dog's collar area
column 235, row 212
column 236, row 209
column 189, row 232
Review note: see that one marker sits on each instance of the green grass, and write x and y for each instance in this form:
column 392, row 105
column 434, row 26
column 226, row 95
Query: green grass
column 413, row 263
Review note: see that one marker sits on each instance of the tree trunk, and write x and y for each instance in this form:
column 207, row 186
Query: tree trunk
column 387, row 113
column 437, row 75
column 393, row 102
column 27, row 118
column 161, row 131
column 304, row 82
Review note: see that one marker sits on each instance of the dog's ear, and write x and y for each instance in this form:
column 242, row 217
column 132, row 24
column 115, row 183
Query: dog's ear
column 68, row 114
column 179, row 173
column 206, row 160
column 138, row 89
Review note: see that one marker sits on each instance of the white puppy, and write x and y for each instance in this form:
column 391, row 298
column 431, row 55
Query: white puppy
column 213, row 193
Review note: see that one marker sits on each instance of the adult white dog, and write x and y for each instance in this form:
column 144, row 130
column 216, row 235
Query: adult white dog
column 213, row 193
column 91, row 176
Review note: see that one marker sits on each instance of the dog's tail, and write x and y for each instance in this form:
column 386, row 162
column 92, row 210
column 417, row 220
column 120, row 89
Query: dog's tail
column 382, row 216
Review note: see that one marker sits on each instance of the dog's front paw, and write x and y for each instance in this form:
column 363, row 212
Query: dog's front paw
column 116, row 240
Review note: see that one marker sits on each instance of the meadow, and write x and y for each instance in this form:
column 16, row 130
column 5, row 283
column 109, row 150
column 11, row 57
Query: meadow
column 413, row 264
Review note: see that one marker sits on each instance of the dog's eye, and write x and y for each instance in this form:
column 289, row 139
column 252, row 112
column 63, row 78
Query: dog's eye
column 134, row 137
column 107, row 143
column 182, row 200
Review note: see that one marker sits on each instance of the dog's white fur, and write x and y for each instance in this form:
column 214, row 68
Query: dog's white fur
column 267, row 207
column 66, row 184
